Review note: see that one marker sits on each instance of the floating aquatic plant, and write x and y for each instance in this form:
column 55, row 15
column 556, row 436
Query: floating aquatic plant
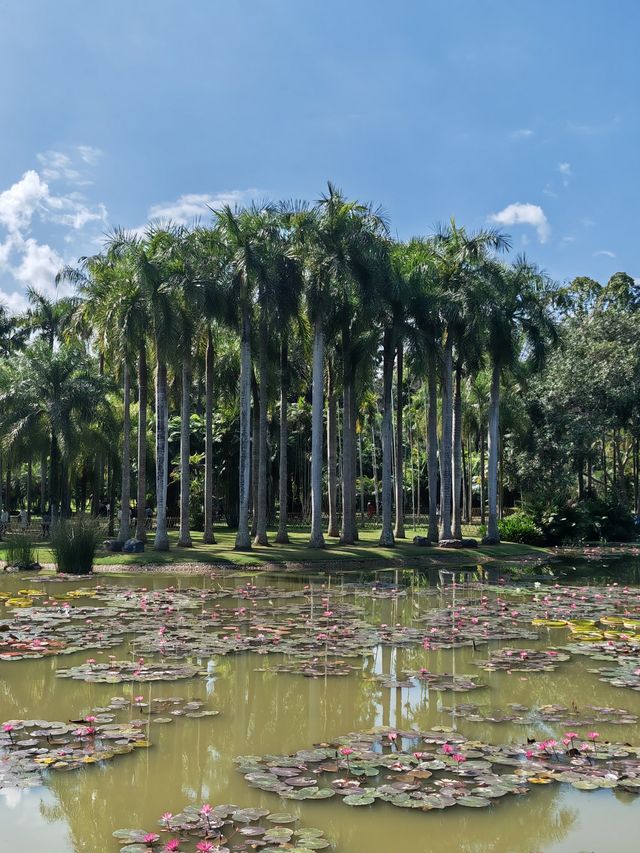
column 406, row 770
column 223, row 829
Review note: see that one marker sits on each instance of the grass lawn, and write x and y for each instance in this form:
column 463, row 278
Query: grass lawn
column 297, row 551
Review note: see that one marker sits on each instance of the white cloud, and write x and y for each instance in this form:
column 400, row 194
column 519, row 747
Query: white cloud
column 21, row 200
column 524, row 214
column 16, row 302
column 29, row 202
column 57, row 166
column 193, row 205
column 38, row 266
column 90, row 154
column 523, row 133
column 606, row 252
column 565, row 171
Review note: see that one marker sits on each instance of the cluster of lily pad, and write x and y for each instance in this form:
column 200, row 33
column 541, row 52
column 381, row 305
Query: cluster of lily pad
column 223, row 829
column 545, row 714
column 439, row 682
column 116, row 671
column 522, row 660
column 30, row 747
column 434, row 770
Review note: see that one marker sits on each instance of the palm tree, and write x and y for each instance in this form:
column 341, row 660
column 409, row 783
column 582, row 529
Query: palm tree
column 153, row 260
column 112, row 305
column 240, row 233
column 288, row 288
column 54, row 390
column 458, row 255
column 214, row 307
column 349, row 234
column 47, row 318
column 519, row 325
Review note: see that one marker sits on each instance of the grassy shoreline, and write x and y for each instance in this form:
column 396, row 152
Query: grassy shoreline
column 298, row 555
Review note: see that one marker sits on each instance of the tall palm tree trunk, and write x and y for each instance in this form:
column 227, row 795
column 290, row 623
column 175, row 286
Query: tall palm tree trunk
column 125, row 491
column 255, row 449
column 445, row 441
column 361, row 478
column 29, row 487
column 243, row 539
column 374, row 464
column 386, row 534
column 493, row 449
column 332, row 453
column 347, row 535
column 261, row 515
column 161, row 541
column 141, row 496
column 184, row 539
column 482, row 477
column 316, row 539
column 54, row 481
column 43, row 482
column 282, row 535
column 209, row 537
column 399, row 532
column 456, row 468
column 432, row 449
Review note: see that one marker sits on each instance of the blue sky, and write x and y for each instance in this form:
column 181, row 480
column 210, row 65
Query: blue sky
column 523, row 114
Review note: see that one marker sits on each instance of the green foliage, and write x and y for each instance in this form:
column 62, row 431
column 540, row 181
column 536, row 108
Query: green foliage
column 586, row 521
column 74, row 543
column 520, row 527
column 610, row 521
column 21, row 552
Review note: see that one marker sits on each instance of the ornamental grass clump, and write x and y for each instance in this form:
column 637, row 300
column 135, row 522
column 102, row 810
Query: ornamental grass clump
column 21, row 552
column 74, row 543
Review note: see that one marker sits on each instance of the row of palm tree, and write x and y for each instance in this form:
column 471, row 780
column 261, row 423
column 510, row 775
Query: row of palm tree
column 325, row 280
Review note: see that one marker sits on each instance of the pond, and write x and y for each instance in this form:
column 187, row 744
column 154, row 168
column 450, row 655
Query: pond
column 391, row 638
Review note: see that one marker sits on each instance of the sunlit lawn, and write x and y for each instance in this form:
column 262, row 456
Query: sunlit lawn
column 297, row 551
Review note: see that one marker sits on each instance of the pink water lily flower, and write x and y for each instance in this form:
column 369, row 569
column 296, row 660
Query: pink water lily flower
column 166, row 817
column 593, row 735
column 151, row 838
column 346, row 750
column 204, row 847
column 172, row 845
column 206, row 809
column 459, row 758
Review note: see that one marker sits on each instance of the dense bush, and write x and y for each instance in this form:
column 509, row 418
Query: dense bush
column 520, row 527
column 20, row 552
column 587, row 521
column 74, row 544
column 610, row 521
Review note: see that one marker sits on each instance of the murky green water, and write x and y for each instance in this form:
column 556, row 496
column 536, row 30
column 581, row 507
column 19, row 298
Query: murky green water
column 264, row 712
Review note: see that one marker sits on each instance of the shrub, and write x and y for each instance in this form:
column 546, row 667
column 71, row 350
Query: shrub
column 590, row 520
column 520, row 527
column 563, row 523
column 20, row 552
column 610, row 521
column 74, row 544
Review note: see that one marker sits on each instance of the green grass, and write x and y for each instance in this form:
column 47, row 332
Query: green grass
column 297, row 551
